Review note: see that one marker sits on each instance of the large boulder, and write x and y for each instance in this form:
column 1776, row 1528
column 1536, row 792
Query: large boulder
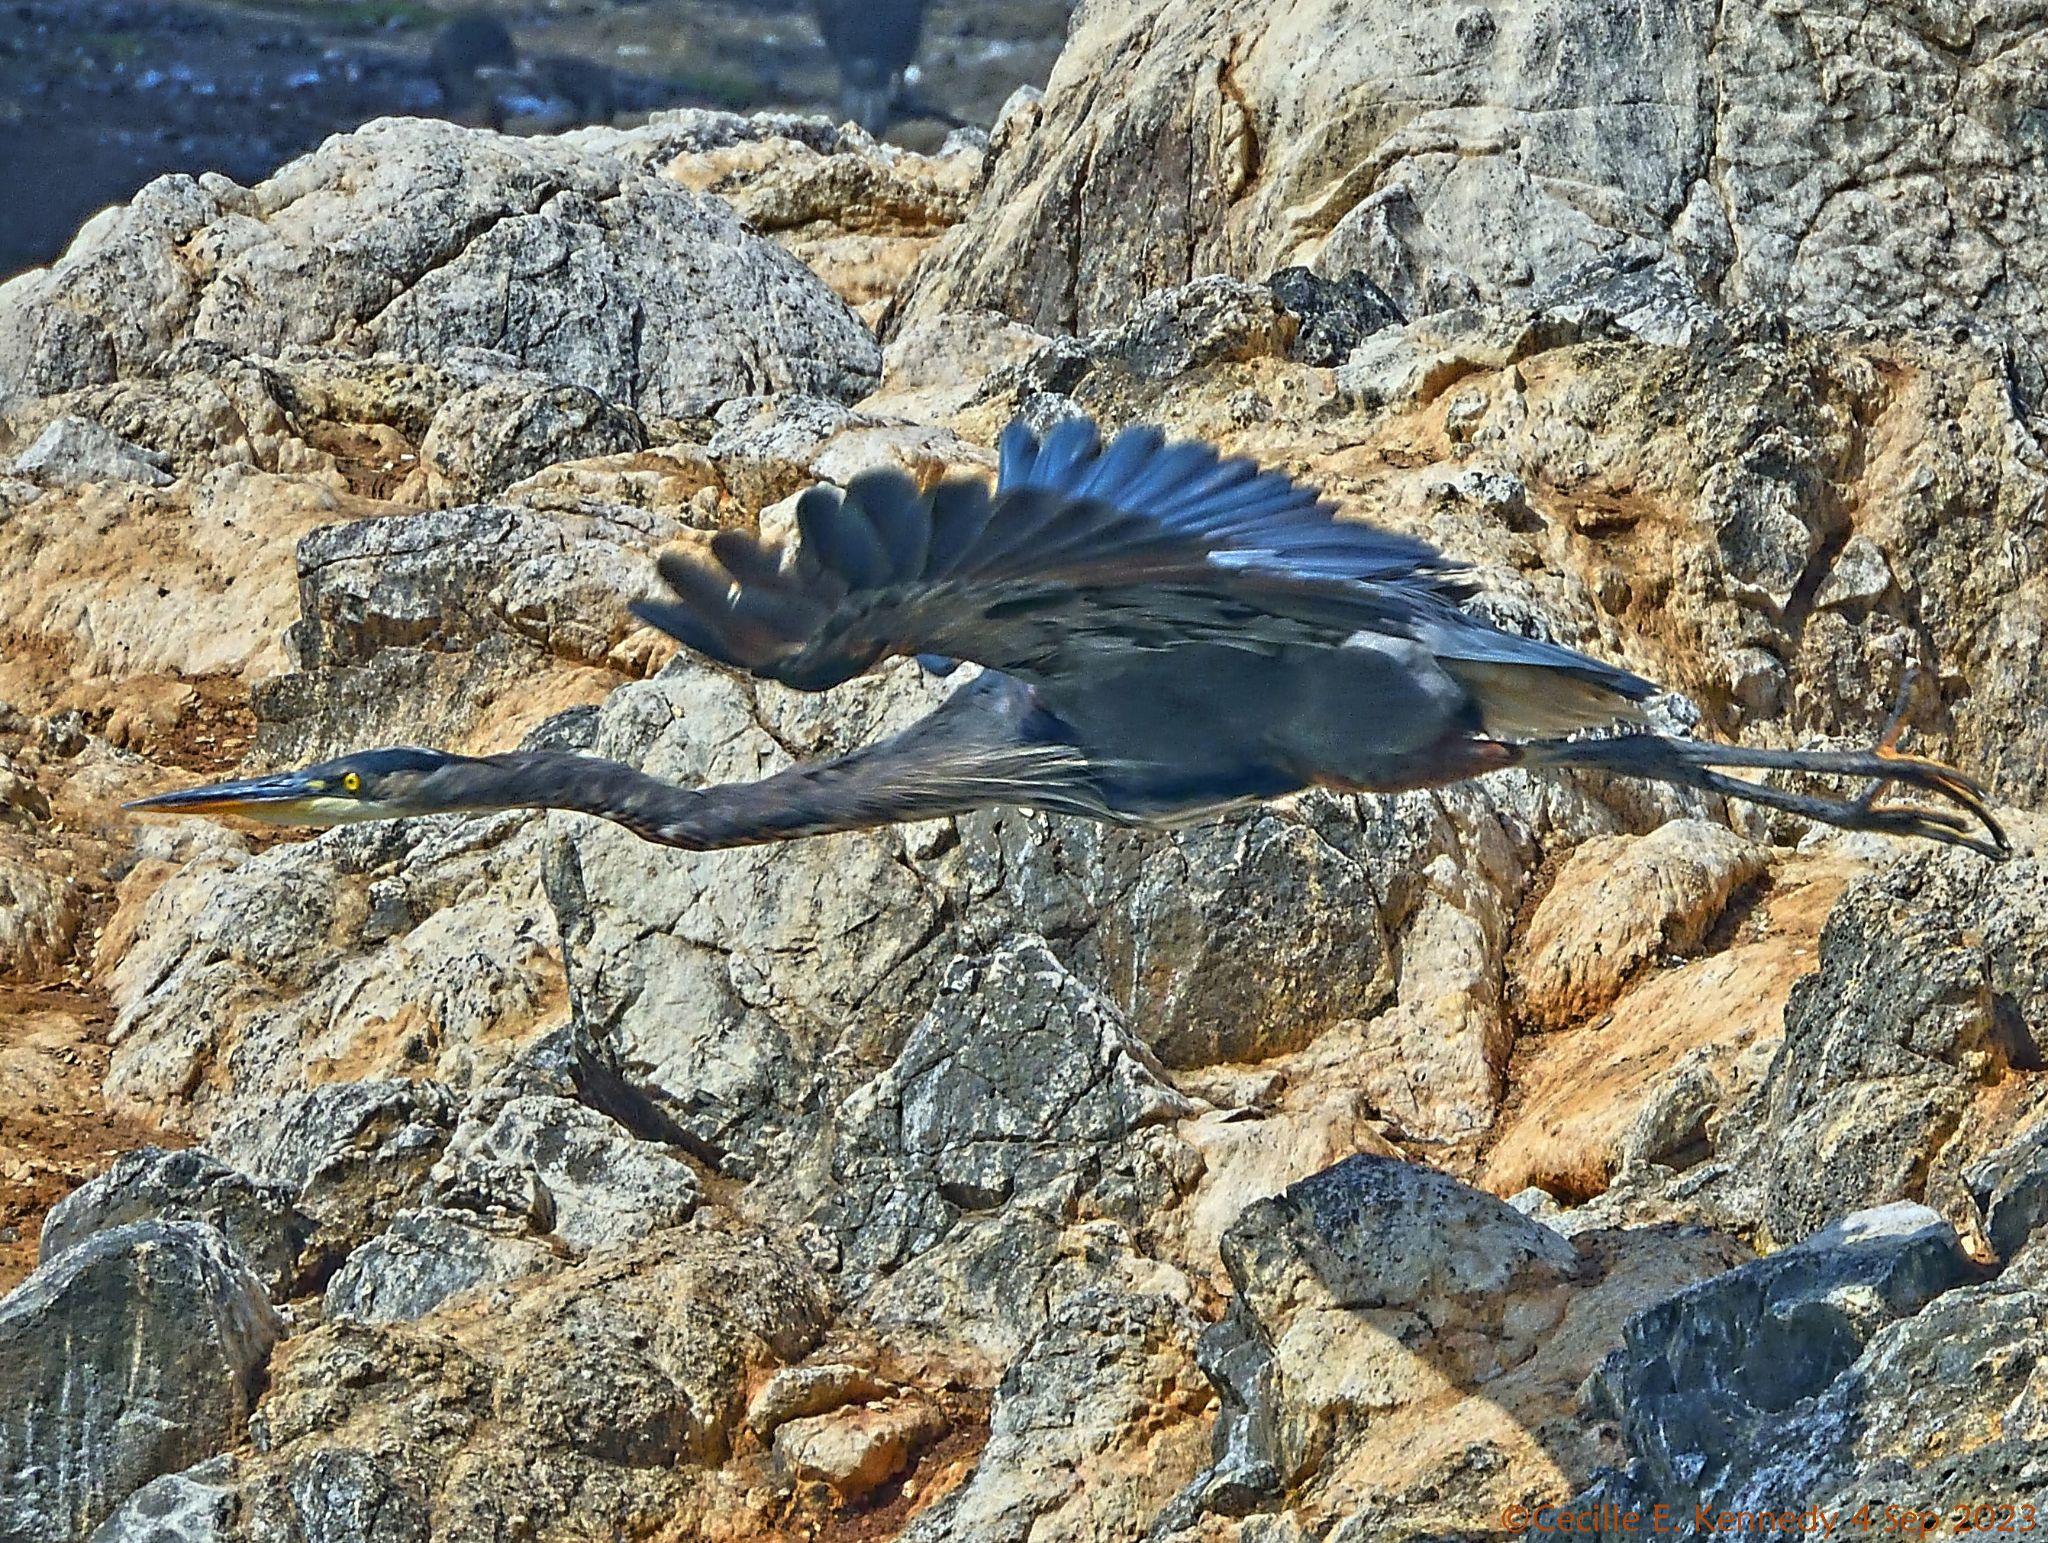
column 259, row 1221
column 1486, row 153
column 137, row 1353
column 414, row 238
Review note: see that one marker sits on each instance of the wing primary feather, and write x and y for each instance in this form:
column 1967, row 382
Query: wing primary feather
column 747, row 558
column 687, row 628
column 1016, row 450
column 1067, row 445
column 838, row 531
column 1118, row 464
column 960, row 512
column 1164, row 475
column 701, row 588
column 901, row 520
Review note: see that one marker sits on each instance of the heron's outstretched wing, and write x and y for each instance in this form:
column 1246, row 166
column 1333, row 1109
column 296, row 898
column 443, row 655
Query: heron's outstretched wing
column 1082, row 556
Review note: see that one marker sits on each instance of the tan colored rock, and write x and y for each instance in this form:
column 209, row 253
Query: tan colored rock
column 859, row 216
column 39, row 914
column 1650, row 1078
column 1620, row 902
column 855, row 1451
column 1453, row 159
column 1101, row 1422
column 795, row 1392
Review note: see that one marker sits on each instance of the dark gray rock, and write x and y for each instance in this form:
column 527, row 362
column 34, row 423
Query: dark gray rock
column 506, row 430
column 343, row 1496
column 135, row 1354
column 355, row 1154
column 1016, row 1079
column 1931, row 974
column 196, row 1506
column 1334, row 315
column 424, row 1258
column 258, row 1220
column 1375, row 1232
column 2010, row 1188
column 1708, row 1381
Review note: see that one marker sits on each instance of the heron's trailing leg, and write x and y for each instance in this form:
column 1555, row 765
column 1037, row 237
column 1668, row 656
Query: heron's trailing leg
column 1699, row 764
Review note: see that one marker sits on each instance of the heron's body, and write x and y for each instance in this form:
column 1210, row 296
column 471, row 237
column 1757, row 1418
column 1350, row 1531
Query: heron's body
column 1164, row 634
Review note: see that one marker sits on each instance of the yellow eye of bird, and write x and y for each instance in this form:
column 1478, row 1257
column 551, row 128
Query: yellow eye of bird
column 352, row 782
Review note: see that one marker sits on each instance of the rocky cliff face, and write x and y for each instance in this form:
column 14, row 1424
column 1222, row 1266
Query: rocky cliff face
column 1353, row 1168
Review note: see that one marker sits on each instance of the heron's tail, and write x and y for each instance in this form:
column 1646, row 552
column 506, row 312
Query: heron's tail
column 1698, row 764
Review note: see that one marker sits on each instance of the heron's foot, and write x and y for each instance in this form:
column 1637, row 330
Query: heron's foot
column 1701, row 764
column 1976, row 828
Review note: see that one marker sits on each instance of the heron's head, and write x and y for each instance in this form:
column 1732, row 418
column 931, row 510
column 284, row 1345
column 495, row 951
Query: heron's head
column 371, row 785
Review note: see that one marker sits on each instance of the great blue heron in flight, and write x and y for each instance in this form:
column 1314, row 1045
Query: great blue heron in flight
column 1164, row 634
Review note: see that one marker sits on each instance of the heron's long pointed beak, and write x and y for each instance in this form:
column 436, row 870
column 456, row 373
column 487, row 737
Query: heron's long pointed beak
column 284, row 798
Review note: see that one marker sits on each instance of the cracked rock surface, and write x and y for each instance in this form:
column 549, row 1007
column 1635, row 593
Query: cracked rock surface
column 1348, row 1168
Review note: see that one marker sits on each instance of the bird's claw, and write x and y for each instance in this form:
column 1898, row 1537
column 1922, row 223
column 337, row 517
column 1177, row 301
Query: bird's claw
column 1903, row 769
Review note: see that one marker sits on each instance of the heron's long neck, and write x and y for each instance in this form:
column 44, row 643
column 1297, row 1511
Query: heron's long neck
column 808, row 800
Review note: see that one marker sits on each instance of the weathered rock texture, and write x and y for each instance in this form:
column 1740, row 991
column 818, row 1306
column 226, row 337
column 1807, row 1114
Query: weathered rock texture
column 137, row 1353
column 1834, row 163
column 1350, row 1168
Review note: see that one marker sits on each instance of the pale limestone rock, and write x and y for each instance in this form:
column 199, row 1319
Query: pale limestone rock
column 1094, row 1428
column 608, row 1188
column 487, row 439
column 1453, row 158
column 73, row 451
column 1621, row 902
column 39, row 914
column 407, row 236
column 293, row 969
column 796, row 1392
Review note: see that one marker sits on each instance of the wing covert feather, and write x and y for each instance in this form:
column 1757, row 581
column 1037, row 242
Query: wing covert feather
column 1083, row 555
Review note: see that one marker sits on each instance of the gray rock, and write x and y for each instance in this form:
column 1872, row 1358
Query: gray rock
column 1929, row 974
column 352, row 1497
column 196, row 1506
column 421, row 1260
column 135, row 1354
column 1708, row 1382
column 355, row 1154
column 1373, row 1232
column 72, row 451
column 608, row 1186
column 1094, row 1427
column 1018, row 1078
column 1360, row 1265
column 1333, row 315
column 1451, row 159
column 417, row 238
column 2010, row 1188
column 485, row 440
column 446, row 581
column 1941, row 1404
column 258, row 1220
column 1168, row 333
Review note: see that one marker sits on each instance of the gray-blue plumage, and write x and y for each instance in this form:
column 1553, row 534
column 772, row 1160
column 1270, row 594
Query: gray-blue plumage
column 1164, row 633
column 1197, row 631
